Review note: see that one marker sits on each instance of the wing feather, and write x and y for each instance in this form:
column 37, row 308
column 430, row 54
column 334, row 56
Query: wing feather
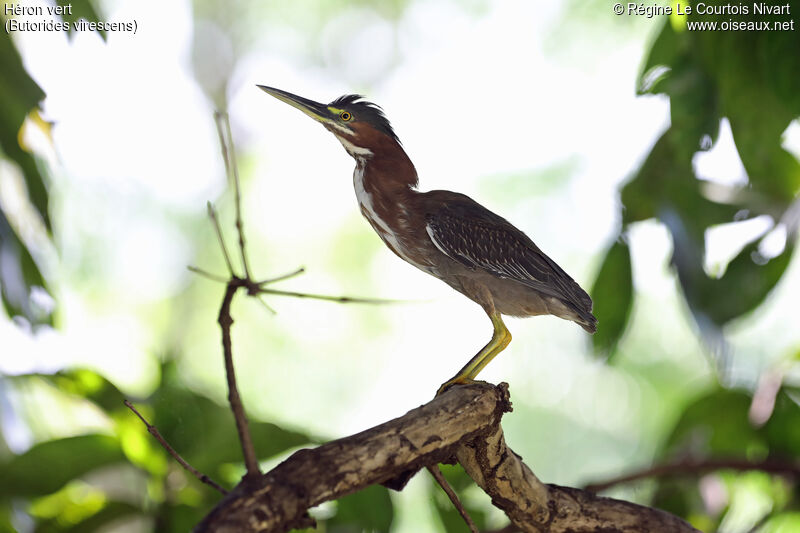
column 469, row 233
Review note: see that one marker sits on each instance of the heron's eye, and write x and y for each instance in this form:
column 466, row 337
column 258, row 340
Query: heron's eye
column 345, row 115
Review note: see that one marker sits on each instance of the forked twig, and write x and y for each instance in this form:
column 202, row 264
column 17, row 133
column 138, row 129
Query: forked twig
column 235, row 282
column 212, row 214
column 439, row 477
column 229, row 156
column 175, row 455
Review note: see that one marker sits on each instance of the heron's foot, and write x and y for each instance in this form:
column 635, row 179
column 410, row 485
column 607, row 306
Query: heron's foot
column 500, row 339
column 457, row 380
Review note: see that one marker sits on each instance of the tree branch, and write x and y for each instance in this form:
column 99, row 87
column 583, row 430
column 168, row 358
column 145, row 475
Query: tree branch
column 225, row 322
column 464, row 423
column 701, row 466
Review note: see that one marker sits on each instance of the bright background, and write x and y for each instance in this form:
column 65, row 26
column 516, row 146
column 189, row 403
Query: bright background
column 528, row 107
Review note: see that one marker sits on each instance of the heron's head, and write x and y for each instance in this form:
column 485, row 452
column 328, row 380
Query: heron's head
column 360, row 126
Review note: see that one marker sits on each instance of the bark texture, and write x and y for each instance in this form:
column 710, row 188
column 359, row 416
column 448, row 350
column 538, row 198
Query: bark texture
column 462, row 424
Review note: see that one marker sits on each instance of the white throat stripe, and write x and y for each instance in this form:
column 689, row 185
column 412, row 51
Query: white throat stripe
column 352, row 149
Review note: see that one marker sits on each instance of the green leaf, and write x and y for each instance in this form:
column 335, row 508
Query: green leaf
column 86, row 384
column 19, row 274
column 48, row 466
column 369, row 509
column 694, row 105
column 204, row 432
column 788, row 522
column 771, row 170
column 758, row 130
column 180, row 517
column 757, row 66
column 747, row 281
column 666, row 184
column 20, row 95
column 752, row 277
column 665, row 188
column 680, row 497
column 5, row 518
column 110, row 512
column 612, row 294
column 716, row 424
column 709, row 75
column 641, row 196
column 662, row 55
column 783, row 427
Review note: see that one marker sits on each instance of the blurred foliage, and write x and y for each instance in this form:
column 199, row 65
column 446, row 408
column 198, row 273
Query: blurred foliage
column 21, row 95
column 370, row 509
column 74, row 495
column 62, row 459
column 613, row 296
column 718, row 425
column 77, row 483
column 749, row 78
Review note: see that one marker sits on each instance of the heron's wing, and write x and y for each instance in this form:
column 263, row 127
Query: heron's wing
column 469, row 233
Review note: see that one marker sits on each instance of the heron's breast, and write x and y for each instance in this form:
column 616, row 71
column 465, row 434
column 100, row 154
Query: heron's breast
column 391, row 221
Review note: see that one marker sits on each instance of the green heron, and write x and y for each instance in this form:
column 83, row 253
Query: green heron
column 446, row 234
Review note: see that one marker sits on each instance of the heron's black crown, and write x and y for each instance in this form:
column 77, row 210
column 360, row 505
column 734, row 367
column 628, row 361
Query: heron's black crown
column 366, row 111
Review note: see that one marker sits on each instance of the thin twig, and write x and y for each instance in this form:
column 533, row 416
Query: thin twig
column 237, row 183
column 338, row 299
column 253, row 288
column 266, row 305
column 697, row 466
column 205, row 274
column 215, row 221
column 222, row 279
column 282, row 277
column 225, row 322
column 439, row 477
column 232, row 170
column 170, row 450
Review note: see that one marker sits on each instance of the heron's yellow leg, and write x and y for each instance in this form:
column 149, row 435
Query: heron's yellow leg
column 500, row 339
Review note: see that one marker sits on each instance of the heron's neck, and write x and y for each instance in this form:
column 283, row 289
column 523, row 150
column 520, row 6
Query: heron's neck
column 385, row 182
column 388, row 168
column 386, row 189
column 384, row 176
